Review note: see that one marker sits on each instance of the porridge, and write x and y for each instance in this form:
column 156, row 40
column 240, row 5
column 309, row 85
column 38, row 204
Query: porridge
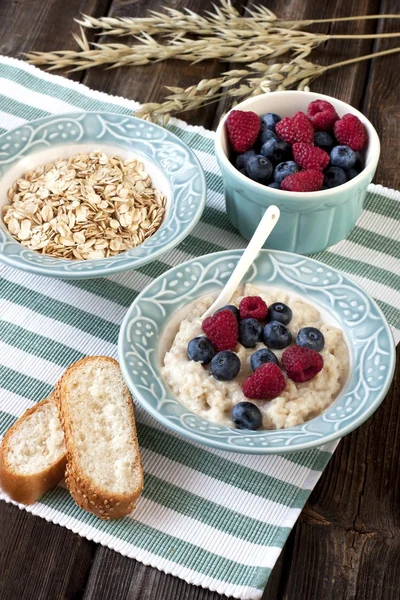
column 291, row 396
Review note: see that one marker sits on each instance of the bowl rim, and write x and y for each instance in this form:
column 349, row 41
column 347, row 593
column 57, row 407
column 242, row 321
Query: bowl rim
column 205, row 441
column 98, row 270
column 225, row 163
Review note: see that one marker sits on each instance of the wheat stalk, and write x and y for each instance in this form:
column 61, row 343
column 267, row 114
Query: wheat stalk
column 226, row 17
column 261, row 78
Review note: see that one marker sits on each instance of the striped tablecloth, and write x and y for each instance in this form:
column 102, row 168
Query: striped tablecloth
column 215, row 519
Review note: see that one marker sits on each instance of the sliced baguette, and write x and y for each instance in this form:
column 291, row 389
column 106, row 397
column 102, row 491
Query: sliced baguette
column 104, row 471
column 33, row 454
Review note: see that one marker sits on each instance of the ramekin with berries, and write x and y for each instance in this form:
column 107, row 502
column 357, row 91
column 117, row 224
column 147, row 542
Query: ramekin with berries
column 310, row 154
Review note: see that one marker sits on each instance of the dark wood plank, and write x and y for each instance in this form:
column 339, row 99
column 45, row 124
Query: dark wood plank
column 147, row 83
column 39, row 560
column 43, row 26
column 381, row 101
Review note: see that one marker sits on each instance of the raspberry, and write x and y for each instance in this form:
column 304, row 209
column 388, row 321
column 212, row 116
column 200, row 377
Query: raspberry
column 304, row 181
column 310, row 157
column 243, row 128
column 253, row 307
column 222, row 330
column 322, row 115
column 301, row 364
column 265, row 383
column 295, row 129
column 350, row 131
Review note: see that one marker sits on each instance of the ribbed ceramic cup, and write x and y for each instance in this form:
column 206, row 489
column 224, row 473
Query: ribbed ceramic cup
column 310, row 221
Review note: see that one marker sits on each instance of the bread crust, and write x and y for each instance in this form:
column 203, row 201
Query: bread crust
column 26, row 489
column 85, row 493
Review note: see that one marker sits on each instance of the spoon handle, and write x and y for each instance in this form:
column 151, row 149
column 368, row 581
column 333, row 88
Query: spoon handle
column 260, row 235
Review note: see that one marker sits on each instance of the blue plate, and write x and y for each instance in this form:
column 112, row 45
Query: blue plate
column 370, row 342
column 172, row 166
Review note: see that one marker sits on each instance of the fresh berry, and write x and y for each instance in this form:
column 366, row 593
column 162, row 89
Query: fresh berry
column 276, row 150
column 276, row 335
column 201, row 350
column 350, row 131
column 246, row 415
column 284, row 169
column 322, row 115
column 278, row 311
column 243, row 172
column 261, row 357
column 266, row 135
column 275, row 185
column 311, row 337
column 351, row 173
column 243, row 127
column 259, row 168
column 253, row 307
column 241, row 159
column 301, row 364
column 304, row 181
column 222, row 330
column 250, row 332
column 269, row 121
column 225, row 365
column 324, row 140
column 230, row 307
column 295, row 129
column 266, row 383
column 359, row 164
column 343, row 157
column 310, row 157
column 334, row 176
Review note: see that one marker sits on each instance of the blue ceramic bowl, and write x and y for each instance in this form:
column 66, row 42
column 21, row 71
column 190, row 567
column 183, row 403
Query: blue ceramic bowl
column 369, row 339
column 311, row 221
column 173, row 167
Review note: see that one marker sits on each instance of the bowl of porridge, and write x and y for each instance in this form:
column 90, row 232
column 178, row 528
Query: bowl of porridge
column 90, row 194
column 300, row 356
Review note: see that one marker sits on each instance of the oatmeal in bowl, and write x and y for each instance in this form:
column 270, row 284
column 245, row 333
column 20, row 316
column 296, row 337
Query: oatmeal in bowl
column 217, row 367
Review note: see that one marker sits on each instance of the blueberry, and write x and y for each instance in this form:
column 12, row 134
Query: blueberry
column 351, row 173
column 201, row 350
column 284, row 169
column 324, row 140
column 246, row 415
column 230, row 307
column 276, row 150
column 275, row 185
column 250, row 332
column 276, row 335
column 279, row 312
column 225, row 365
column 310, row 337
column 241, row 159
column 259, row 169
column 343, row 157
column 266, row 135
column 260, row 357
column 334, row 176
column 359, row 164
column 269, row 121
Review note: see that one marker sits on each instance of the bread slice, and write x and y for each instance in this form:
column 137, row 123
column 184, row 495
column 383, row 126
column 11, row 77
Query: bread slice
column 104, row 471
column 33, row 454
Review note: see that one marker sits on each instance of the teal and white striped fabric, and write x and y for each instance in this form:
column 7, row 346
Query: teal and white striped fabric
column 214, row 519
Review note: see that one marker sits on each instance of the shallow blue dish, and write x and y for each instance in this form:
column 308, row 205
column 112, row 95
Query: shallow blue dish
column 370, row 342
column 173, row 168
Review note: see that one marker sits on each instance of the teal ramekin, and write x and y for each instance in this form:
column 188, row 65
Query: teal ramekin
column 309, row 221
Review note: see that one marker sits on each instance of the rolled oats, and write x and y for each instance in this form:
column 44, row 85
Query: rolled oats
column 85, row 207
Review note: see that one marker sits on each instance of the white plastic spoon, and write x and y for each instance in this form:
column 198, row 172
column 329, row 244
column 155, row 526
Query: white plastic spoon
column 260, row 235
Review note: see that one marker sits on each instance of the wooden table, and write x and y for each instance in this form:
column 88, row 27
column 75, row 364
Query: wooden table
column 346, row 543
